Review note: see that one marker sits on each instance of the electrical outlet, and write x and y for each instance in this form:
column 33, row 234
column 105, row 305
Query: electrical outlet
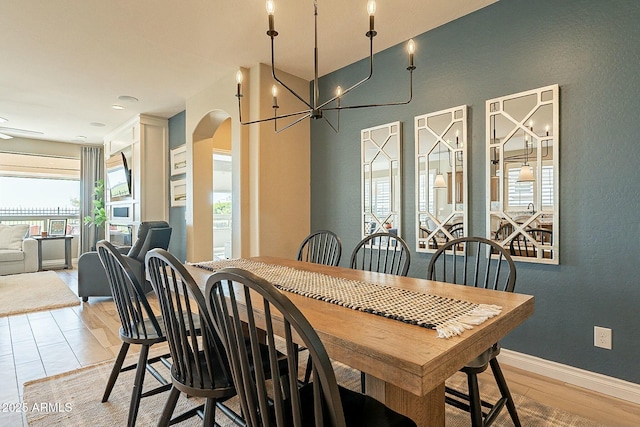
column 602, row 337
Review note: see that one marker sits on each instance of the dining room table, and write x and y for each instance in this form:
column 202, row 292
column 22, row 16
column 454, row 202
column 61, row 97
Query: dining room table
column 405, row 363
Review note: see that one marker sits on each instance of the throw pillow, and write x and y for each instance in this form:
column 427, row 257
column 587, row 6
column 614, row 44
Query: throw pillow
column 11, row 236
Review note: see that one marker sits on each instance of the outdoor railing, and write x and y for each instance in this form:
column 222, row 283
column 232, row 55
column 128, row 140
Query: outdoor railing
column 38, row 218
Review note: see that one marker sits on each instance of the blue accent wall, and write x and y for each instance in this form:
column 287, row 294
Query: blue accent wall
column 178, row 243
column 591, row 48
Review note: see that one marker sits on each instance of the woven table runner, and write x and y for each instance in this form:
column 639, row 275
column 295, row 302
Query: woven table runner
column 447, row 316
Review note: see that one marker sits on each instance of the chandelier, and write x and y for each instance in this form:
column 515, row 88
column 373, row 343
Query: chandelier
column 315, row 109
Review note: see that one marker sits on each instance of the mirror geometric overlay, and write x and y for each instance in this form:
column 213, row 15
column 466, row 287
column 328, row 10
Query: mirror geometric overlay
column 523, row 174
column 441, row 177
column 381, row 179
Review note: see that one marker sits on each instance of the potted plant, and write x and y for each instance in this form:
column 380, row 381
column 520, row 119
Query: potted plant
column 99, row 214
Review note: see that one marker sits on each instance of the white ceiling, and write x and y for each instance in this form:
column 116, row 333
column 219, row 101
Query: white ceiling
column 65, row 62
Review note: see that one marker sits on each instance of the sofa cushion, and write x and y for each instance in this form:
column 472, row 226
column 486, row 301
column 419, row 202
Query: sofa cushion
column 11, row 236
column 8, row 255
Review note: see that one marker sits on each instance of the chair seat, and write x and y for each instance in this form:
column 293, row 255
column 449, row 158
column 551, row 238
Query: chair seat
column 480, row 363
column 142, row 329
column 201, row 384
column 359, row 410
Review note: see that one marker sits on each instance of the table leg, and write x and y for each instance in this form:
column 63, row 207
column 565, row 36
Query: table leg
column 426, row 411
column 67, row 252
column 39, row 254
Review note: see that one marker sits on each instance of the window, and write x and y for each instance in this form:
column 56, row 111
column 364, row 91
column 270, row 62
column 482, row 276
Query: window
column 522, row 193
column 39, row 193
column 547, row 186
column 36, row 189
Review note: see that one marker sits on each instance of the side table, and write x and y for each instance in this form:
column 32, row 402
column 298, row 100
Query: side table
column 67, row 249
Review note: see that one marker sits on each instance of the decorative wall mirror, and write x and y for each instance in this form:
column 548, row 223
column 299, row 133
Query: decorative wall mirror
column 381, row 179
column 523, row 174
column 441, row 177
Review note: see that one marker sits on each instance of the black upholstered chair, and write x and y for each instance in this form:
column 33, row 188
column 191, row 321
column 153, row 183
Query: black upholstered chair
column 321, row 247
column 140, row 326
column 92, row 281
column 277, row 403
column 475, row 261
column 382, row 253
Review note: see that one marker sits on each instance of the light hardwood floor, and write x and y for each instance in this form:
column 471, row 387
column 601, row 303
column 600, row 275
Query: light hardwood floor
column 46, row 343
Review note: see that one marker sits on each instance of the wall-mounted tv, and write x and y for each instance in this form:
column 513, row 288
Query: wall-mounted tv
column 118, row 176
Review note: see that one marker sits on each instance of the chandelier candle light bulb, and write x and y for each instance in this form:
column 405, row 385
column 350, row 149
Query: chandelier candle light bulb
column 371, row 9
column 411, row 47
column 274, row 93
column 271, row 8
column 239, row 82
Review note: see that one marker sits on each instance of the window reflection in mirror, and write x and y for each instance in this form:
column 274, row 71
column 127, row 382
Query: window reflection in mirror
column 381, row 179
column 522, row 173
column 441, row 183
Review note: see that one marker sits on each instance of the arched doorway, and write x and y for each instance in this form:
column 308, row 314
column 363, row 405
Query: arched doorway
column 211, row 188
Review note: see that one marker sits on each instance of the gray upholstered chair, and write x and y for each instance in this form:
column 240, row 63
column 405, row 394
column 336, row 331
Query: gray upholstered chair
column 92, row 279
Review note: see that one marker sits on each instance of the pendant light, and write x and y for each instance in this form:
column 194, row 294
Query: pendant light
column 526, row 171
column 439, row 182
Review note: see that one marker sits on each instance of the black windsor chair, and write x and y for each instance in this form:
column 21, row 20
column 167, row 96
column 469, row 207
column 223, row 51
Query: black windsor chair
column 140, row 326
column 276, row 403
column 475, row 261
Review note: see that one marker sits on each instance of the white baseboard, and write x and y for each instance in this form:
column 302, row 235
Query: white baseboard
column 590, row 380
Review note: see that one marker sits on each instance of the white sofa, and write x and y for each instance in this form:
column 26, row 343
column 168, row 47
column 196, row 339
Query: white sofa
column 18, row 253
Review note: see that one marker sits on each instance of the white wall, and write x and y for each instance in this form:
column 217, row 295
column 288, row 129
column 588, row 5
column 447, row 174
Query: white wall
column 271, row 172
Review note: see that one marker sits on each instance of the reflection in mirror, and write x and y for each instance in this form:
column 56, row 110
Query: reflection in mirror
column 381, row 169
column 523, row 174
column 441, row 177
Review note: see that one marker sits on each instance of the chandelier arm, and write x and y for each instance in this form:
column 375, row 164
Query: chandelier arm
column 307, row 113
column 344, row 92
column 335, row 129
column 275, row 77
column 295, row 122
column 388, row 104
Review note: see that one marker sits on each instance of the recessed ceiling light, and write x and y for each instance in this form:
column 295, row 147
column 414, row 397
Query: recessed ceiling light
column 81, row 137
column 3, row 120
column 117, row 107
column 128, row 98
column 97, row 124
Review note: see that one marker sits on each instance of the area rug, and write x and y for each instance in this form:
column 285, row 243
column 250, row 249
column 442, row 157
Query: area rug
column 24, row 293
column 73, row 399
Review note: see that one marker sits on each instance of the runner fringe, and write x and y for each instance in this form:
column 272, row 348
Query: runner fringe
column 476, row 316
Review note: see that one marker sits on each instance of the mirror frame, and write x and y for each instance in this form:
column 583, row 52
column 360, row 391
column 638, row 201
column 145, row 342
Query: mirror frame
column 456, row 182
column 390, row 144
column 545, row 252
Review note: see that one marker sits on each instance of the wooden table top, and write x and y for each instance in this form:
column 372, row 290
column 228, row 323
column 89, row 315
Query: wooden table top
column 410, row 357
